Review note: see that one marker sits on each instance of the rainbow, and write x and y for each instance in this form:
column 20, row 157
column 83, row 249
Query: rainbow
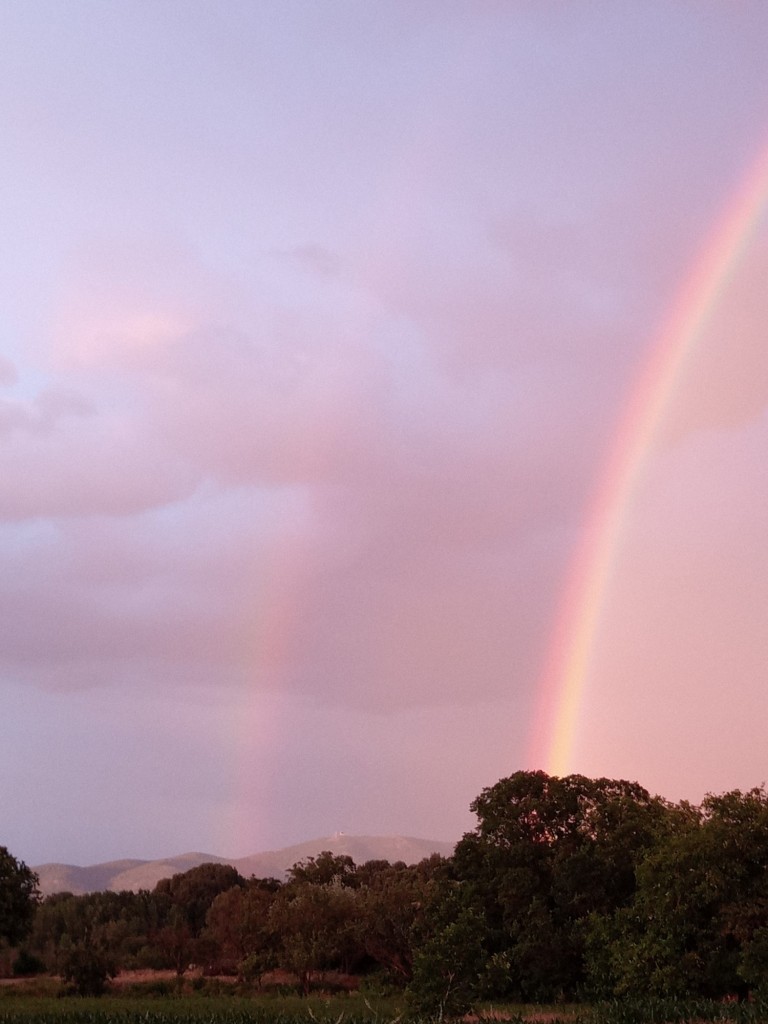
column 567, row 666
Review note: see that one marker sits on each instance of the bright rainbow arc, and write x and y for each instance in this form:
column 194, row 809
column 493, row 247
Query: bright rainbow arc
column 563, row 683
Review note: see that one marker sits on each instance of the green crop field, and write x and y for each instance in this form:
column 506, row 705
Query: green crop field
column 26, row 1009
column 194, row 1009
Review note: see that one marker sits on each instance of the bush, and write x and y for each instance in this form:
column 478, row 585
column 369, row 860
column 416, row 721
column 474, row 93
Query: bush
column 87, row 971
column 446, row 969
column 26, row 965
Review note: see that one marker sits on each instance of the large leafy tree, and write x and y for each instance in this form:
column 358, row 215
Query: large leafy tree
column 698, row 921
column 547, row 853
column 187, row 896
column 323, row 869
column 391, row 901
column 315, row 929
column 183, row 902
column 238, row 927
column 19, row 896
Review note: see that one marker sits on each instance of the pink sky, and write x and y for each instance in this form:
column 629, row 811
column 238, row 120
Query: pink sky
column 318, row 321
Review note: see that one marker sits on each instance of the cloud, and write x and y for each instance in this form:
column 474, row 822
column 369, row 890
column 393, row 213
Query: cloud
column 91, row 464
column 344, row 450
column 245, row 492
column 8, row 372
column 315, row 259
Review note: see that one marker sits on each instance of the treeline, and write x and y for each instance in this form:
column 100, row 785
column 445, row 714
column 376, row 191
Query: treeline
column 568, row 888
column 330, row 915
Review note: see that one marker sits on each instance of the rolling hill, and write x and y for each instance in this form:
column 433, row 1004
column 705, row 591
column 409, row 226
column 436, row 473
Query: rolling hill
column 145, row 874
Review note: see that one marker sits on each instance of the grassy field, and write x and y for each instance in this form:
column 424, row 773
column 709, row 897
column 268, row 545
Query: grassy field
column 41, row 1002
column 185, row 1010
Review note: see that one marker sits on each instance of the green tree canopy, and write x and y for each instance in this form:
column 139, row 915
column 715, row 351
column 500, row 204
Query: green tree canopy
column 326, row 867
column 697, row 921
column 19, row 896
column 189, row 894
column 546, row 853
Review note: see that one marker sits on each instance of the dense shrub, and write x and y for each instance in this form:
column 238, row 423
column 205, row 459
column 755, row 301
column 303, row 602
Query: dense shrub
column 87, row 971
column 26, row 965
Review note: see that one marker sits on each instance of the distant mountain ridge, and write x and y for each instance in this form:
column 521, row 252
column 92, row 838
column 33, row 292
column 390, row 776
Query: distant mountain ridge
column 133, row 875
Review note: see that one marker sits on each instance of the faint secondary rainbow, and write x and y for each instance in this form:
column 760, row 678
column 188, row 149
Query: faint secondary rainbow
column 562, row 686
